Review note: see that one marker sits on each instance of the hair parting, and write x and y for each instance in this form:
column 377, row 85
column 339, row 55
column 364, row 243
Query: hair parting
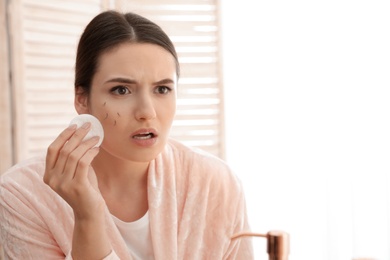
column 108, row 30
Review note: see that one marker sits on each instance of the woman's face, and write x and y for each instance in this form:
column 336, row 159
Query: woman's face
column 133, row 94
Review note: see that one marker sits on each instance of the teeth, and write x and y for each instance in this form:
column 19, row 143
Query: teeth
column 143, row 136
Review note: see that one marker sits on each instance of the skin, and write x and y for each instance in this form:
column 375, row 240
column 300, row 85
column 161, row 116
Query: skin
column 134, row 88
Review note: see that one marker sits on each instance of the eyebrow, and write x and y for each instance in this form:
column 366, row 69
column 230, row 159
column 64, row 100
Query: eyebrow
column 130, row 81
column 121, row 80
column 164, row 81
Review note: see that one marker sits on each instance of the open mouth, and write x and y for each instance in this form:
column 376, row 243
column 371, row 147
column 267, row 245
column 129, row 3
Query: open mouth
column 144, row 136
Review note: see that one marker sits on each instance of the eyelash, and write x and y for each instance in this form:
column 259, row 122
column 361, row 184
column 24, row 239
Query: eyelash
column 115, row 90
column 168, row 89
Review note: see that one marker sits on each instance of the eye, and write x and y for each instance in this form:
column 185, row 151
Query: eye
column 120, row 90
column 163, row 90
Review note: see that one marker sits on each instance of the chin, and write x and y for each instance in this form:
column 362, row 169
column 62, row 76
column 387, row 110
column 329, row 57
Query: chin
column 142, row 155
column 135, row 153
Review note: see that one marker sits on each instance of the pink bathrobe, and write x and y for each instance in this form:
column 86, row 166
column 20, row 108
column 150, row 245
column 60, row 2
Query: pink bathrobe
column 195, row 205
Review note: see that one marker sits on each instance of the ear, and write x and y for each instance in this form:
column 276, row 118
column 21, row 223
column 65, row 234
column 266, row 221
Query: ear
column 81, row 101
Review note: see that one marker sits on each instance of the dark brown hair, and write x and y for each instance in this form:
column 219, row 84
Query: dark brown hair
column 108, row 30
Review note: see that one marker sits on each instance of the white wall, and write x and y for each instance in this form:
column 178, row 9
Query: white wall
column 307, row 87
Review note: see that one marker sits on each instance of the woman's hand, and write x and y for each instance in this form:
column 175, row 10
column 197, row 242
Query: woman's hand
column 69, row 172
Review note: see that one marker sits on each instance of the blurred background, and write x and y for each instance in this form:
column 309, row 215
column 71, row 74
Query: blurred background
column 294, row 95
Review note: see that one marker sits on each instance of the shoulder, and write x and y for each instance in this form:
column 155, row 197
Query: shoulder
column 192, row 155
column 202, row 166
column 26, row 173
column 23, row 191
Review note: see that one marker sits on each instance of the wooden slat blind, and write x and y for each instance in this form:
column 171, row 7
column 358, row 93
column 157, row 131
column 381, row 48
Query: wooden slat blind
column 5, row 95
column 49, row 32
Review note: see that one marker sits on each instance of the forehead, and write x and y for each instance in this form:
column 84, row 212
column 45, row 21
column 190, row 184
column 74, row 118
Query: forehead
column 137, row 58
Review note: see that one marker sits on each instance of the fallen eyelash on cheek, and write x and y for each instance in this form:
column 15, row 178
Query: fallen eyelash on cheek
column 118, row 116
column 104, row 104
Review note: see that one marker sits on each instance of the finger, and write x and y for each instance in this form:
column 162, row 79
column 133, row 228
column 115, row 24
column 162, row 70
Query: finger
column 74, row 158
column 55, row 147
column 63, row 183
column 84, row 165
column 70, row 146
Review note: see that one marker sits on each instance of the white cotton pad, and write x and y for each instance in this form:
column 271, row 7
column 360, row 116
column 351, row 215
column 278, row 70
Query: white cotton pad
column 96, row 126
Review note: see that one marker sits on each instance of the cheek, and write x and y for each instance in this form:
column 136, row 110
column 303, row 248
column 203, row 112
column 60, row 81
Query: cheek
column 109, row 114
column 167, row 113
column 172, row 108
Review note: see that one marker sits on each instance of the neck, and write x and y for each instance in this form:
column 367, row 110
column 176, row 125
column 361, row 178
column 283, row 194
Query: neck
column 123, row 185
column 117, row 174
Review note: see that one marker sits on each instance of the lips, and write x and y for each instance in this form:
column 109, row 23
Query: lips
column 144, row 134
column 146, row 137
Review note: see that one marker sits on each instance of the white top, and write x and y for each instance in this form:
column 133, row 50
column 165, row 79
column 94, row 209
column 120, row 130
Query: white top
column 137, row 237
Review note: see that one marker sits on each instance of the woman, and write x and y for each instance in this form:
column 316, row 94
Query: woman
column 140, row 195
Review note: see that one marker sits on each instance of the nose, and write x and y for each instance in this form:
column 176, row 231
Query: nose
column 145, row 109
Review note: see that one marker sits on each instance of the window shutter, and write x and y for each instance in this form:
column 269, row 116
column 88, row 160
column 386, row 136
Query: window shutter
column 44, row 56
column 50, row 31
column 5, row 95
column 193, row 28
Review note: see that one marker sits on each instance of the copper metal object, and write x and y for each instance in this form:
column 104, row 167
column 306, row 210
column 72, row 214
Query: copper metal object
column 278, row 243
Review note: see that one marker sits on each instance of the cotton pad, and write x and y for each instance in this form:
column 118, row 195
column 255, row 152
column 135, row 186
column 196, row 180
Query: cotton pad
column 96, row 126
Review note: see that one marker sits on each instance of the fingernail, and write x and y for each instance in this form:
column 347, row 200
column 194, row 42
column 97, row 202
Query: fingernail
column 86, row 125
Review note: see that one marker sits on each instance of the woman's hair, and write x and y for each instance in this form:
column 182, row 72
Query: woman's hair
column 108, row 30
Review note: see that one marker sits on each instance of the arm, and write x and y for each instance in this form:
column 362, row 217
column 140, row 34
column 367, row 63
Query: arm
column 88, row 235
column 23, row 233
column 240, row 248
column 68, row 173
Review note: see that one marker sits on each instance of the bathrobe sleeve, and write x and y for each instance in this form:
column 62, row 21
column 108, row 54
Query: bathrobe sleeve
column 23, row 233
column 35, row 223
